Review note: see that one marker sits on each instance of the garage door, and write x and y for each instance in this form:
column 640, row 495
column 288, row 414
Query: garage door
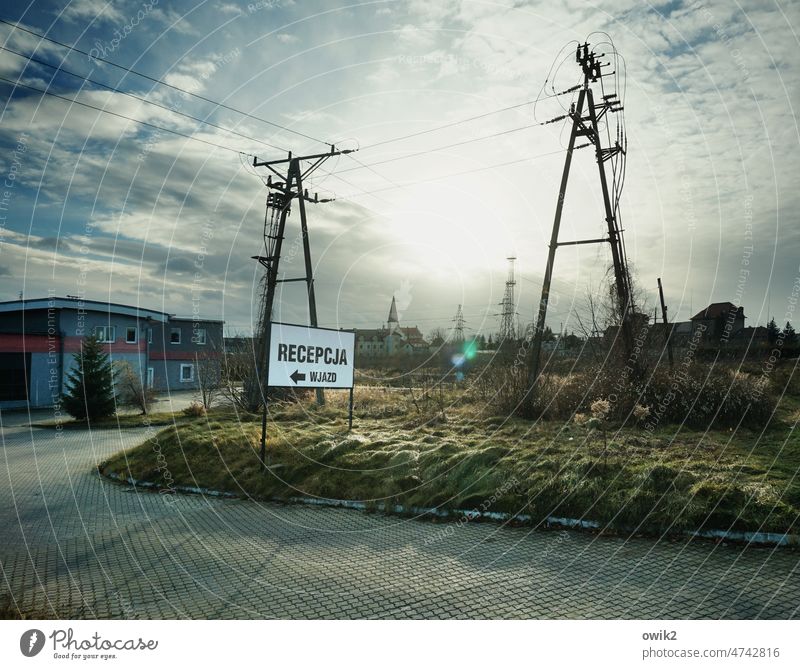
column 14, row 376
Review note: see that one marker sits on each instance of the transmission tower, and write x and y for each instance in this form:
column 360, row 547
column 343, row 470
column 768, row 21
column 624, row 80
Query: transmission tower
column 288, row 187
column 586, row 115
column 458, row 325
column 508, row 309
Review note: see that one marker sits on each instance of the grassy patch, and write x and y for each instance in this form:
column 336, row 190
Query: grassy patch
column 673, row 479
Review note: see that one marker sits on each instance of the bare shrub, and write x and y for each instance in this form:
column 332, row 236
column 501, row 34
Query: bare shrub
column 131, row 392
column 209, row 377
column 698, row 396
column 236, row 370
column 426, row 393
column 195, row 410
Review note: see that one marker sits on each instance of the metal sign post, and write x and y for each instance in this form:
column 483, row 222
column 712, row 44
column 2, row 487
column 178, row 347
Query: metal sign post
column 350, row 412
column 307, row 357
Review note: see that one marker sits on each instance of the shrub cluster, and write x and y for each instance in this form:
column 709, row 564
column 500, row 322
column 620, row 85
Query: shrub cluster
column 698, row 396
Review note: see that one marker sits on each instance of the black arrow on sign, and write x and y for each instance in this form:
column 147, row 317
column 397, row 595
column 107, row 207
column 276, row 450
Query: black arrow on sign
column 297, row 376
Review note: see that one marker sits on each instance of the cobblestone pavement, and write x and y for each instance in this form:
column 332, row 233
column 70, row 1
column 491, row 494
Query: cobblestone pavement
column 77, row 546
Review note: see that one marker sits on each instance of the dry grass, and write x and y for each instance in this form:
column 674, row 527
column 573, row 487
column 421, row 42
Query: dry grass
column 670, row 479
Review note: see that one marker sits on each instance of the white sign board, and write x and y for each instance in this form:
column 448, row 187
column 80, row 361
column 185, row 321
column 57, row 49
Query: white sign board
column 306, row 357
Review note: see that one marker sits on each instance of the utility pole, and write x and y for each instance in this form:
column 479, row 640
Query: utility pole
column 508, row 308
column 667, row 326
column 288, row 187
column 586, row 116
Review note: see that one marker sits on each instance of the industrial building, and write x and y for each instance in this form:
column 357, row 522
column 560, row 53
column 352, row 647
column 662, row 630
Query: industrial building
column 39, row 337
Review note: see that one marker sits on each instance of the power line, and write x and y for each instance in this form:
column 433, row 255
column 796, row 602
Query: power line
column 123, row 116
column 161, row 82
column 458, row 174
column 141, row 99
column 263, row 120
column 446, row 146
column 465, row 120
column 243, row 153
column 146, row 123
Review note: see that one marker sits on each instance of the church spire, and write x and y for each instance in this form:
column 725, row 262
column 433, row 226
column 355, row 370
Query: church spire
column 393, row 321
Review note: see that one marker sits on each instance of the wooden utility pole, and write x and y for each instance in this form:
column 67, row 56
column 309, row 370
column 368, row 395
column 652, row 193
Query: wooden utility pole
column 667, row 326
column 586, row 124
column 288, row 187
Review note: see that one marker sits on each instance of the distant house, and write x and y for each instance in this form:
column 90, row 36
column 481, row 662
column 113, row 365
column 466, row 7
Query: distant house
column 718, row 322
column 38, row 338
column 391, row 339
column 751, row 337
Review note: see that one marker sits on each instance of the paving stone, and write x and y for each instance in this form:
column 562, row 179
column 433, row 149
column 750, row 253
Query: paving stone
column 77, row 545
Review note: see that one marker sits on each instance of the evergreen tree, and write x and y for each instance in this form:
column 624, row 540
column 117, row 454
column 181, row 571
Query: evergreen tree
column 772, row 331
column 789, row 335
column 90, row 384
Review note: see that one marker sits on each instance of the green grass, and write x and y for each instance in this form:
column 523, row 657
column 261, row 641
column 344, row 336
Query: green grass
column 672, row 480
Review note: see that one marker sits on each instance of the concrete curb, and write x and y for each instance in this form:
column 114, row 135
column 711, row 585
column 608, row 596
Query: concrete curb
column 761, row 538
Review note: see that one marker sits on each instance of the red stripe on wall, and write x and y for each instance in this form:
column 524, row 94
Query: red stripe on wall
column 182, row 355
column 22, row 343
column 73, row 345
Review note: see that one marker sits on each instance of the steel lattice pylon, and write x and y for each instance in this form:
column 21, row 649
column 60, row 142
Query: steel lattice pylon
column 508, row 307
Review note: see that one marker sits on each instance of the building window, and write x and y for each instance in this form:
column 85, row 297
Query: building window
column 200, row 336
column 105, row 333
column 149, row 335
column 131, row 335
column 175, row 336
column 187, row 373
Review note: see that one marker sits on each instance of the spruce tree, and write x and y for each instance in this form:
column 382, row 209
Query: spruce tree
column 772, row 331
column 789, row 335
column 90, row 384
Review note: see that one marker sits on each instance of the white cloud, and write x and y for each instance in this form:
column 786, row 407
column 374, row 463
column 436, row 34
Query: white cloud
column 708, row 130
column 79, row 11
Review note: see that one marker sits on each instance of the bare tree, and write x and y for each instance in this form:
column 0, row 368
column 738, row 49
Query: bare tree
column 209, row 377
column 588, row 322
column 131, row 391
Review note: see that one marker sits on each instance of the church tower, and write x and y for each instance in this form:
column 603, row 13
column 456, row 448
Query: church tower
column 393, row 322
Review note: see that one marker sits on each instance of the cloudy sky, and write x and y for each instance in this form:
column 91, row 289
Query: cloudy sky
column 95, row 203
